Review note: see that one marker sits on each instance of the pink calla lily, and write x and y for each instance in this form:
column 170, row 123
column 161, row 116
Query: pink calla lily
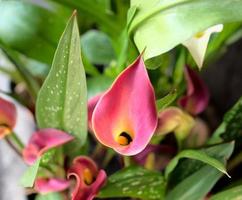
column 125, row 116
column 197, row 97
column 89, row 179
column 46, row 185
column 43, row 140
column 8, row 116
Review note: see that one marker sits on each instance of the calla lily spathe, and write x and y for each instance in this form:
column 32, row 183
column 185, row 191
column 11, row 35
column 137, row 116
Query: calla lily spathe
column 197, row 45
column 43, row 140
column 22, row 122
column 174, row 120
column 47, row 185
column 89, row 179
column 125, row 116
column 197, row 97
column 8, row 117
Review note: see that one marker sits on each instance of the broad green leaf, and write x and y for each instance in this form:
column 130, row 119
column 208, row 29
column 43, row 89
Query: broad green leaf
column 62, row 100
column 186, row 167
column 37, row 29
column 97, row 47
column 197, row 155
column 29, row 176
column 195, row 186
column 135, row 182
column 234, row 193
column 193, row 178
column 161, row 25
column 50, row 196
column 231, row 128
column 167, row 100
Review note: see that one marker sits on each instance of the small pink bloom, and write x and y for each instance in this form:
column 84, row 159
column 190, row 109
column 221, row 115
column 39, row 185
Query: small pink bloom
column 46, row 185
column 175, row 120
column 198, row 135
column 125, row 117
column 89, row 179
column 43, row 140
column 197, row 97
column 8, row 116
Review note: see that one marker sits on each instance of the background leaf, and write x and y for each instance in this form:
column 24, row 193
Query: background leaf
column 135, row 182
column 62, row 100
column 98, row 84
column 97, row 47
column 38, row 29
column 176, row 21
column 166, row 100
column 29, row 80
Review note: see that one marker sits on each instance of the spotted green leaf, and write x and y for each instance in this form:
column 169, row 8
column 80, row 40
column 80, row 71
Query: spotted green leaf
column 62, row 100
column 135, row 182
column 231, row 128
column 234, row 193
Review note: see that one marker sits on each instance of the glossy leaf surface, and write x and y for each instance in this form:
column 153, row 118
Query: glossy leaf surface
column 135, row 182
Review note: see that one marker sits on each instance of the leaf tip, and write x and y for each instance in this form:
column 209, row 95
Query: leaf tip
column 226, row 173
column 74, row 14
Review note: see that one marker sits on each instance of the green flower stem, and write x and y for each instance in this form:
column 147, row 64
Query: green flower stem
column 98, row 149
column 108, row 157
column 10, row 143
column 17, row 141
column 150, row 161
column 127, row 161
